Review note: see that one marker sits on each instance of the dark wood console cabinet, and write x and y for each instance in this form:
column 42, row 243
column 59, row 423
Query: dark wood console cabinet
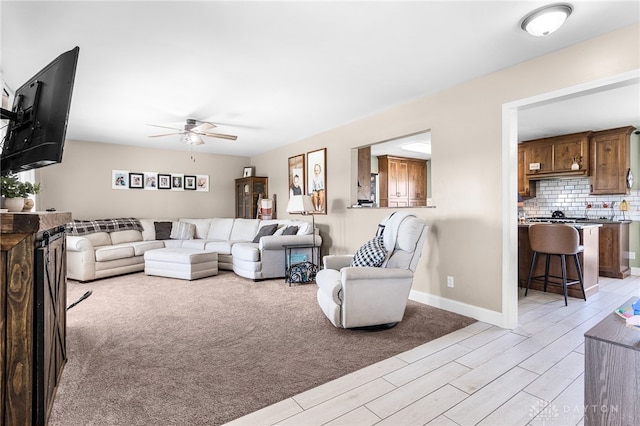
column 33, row 297
column 248, row 190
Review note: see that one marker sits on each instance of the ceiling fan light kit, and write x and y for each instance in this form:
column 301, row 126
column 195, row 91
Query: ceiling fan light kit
column 547, row 19
column 193, row 132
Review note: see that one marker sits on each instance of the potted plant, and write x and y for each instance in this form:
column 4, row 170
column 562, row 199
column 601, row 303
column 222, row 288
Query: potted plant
column 15, row 192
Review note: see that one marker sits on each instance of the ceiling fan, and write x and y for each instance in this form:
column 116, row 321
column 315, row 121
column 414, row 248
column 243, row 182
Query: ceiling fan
column 193, row 132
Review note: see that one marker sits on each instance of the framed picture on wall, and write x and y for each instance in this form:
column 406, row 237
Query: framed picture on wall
column 136, row 180
column 150, row 180
column 119, row 179
column 190, row 183
column 164, row 181
column 317, row 178
column 177, row 181
column 202, row 183
column 296, row 175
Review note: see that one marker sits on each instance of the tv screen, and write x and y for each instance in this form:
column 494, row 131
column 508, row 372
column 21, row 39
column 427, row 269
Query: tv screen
column 38, row 119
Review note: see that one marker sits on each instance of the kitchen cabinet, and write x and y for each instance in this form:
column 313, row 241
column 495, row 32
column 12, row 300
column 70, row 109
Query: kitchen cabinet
column 403, row 181
column 614, row 243
column 33, row 296
column 610, row 160
column 555, row 156
column 526, row 188
column 248, row 190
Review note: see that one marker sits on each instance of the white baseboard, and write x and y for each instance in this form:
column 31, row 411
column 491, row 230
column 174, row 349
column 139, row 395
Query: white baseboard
column 481, row 314
column 635, row 271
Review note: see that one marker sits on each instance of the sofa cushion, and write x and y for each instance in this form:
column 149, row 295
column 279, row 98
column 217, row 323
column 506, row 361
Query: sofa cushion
column 99, row 239
column 140, row 247
column 372, row 253
column 246, row 251
column 119, row 237
column 265, row 230
column 244, row 229
column 194, row 244
column 220, row 229
column 163, row 230
column 220, row 247
column 202, row 227
column 114, row 252
column 182, row 231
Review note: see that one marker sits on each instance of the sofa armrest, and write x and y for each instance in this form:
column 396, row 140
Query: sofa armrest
column 277, row 242
column 76, row 243
column 337, row 261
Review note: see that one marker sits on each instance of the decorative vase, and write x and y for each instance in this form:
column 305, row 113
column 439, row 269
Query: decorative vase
column 14, row 204
column 28, row 204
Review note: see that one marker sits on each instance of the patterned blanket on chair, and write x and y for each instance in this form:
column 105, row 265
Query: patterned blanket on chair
column 81, row 227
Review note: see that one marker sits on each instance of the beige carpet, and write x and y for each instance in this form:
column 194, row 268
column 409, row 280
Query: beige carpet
column 158, row 351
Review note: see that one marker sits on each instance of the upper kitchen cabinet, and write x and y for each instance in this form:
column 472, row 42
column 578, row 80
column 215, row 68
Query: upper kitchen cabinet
column 566, row 155
column 403, row 181
column 610, row 161
column 526, row 188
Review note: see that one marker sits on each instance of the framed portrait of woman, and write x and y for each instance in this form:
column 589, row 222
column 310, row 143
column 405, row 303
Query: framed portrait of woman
column 296, row 175
column 317, row 179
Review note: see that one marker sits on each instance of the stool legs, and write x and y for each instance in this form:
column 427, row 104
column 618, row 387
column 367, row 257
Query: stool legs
column 563, row 264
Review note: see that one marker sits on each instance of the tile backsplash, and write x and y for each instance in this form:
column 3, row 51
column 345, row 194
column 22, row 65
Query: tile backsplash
column 572, row 197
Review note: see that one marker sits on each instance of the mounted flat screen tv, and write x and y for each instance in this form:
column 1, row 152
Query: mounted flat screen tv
column 38, row 119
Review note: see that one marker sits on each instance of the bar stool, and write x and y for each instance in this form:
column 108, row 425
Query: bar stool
column 557, row 240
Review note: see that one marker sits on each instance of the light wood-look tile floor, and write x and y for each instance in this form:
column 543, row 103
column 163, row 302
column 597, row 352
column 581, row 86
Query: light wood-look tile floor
column 480, row 375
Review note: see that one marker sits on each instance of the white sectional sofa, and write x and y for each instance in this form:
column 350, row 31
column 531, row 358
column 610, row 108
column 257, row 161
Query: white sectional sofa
column 103, row 254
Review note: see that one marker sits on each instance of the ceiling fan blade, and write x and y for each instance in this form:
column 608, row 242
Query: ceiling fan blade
column 203, row 127
column 218, row 135
column 165, row 127
column 165, row 134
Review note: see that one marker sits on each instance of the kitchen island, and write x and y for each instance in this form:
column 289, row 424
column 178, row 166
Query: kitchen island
column 589, row 263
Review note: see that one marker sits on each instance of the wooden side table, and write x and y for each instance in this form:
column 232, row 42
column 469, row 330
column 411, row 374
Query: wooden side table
column 611, row 373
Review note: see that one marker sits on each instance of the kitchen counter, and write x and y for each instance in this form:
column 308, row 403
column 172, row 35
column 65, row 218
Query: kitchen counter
column 577, row 225
column 589, row 261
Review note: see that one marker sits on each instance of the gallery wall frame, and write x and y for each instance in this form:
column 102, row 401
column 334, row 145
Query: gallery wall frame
column 164, row 181
column 296, row 175
column 189, row 183
column 136, row 180
column 316, row 171
column 119, row 179
column 150, row 181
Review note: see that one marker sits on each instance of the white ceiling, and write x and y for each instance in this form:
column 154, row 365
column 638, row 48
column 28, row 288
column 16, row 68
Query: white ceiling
column 274, row 73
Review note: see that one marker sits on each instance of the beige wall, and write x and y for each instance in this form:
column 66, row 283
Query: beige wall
column 466, row 227
column 81, row 184
column 466, row 234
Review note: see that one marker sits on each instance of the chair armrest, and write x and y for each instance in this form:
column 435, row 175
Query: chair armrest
column 277, row 242
column 76, row 243
column 337, row 261
column 372, row 274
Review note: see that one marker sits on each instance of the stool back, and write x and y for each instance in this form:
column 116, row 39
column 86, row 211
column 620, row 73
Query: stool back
column 554, row 238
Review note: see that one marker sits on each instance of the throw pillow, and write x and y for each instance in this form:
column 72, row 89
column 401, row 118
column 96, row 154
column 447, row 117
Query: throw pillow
column 265, row 230
column 372, row 253
column 163, row 230
column 291, row 230
column 182, row 231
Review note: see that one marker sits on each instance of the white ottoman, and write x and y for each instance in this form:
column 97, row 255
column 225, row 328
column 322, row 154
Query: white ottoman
column 182, row 263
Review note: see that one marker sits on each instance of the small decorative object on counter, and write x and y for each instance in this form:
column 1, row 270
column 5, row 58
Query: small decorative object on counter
column 636, row 307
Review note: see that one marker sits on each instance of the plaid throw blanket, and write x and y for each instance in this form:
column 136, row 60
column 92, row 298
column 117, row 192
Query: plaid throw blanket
column 81, row 227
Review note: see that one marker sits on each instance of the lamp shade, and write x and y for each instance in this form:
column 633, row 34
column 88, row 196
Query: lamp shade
column 300, row 204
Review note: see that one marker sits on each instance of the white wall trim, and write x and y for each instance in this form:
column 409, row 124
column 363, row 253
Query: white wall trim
column 635, row 271
column 481, row 314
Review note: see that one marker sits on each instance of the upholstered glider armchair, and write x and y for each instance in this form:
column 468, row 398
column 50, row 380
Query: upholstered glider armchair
column 373, row 296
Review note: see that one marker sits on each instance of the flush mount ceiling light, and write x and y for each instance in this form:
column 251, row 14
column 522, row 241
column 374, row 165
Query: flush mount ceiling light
column 547, row 19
